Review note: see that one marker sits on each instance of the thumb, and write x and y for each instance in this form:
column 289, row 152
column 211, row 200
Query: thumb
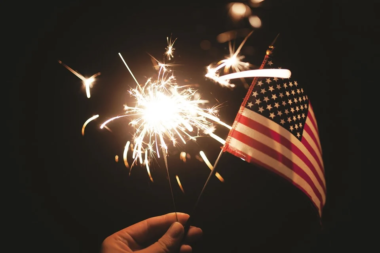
column 169, row 242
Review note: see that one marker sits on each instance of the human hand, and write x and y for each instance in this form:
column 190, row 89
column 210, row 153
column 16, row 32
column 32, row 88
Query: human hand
column 161, row 234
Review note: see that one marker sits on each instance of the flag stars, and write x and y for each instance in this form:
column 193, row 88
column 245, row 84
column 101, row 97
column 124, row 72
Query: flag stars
column 301, row 90
column 275, row 79
column 281, row 94
column 295, row 83
column 276, row 105
column 286, row 111
column 303, row 115
column 266, row 99
column 293, row 92
column 292, row 110
column 250, row 104
column 261, row 109
column 267, row 80
column 269, row 107
column 305, row 106
column 263, row 91
column 297, row 108
column 290, row 102
column 271, row 115
column 278, row 86
column 254, row 94
column 289, row 119
column 298, row 117
column 294, row 118
column 296, row 126
column 290, row 84
column 279, row 113
column 282, row 121
column 285, row 85
column 260, row 83
column 291, row 128
column 300, row 124
column 283, row 103
column 271, row 88
column 258, row 101
column 301, row 107
column 300, row 99
column 298, row 91
column 298, row 134
column 274, row 96
column 295, row 100
column 287, row 93
column 270, row 63
column 304, row 98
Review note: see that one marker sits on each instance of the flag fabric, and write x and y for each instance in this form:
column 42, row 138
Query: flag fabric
column 276, row 128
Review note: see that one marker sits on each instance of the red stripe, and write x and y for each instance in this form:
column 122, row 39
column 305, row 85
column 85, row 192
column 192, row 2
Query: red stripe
column 312, row 118
column 277, row 156
column 282, row 140
column 258, row 162
column 308, row 146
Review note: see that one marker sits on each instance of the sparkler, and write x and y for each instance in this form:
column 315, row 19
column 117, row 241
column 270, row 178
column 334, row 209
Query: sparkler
column 166, row 112
column 163, row 113
column 234, row 62
column 87, row 82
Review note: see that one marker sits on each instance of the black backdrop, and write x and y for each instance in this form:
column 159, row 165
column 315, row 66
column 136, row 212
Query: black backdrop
column 70, row 194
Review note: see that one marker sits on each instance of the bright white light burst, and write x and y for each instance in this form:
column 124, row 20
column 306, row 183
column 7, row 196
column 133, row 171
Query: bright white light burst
column 165, row 112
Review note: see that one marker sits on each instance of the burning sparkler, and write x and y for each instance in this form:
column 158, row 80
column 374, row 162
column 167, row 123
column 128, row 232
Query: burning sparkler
column 165, row 112
column 234, row 62
column 87, row 82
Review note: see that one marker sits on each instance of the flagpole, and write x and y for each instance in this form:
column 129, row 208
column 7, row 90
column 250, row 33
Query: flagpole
column 213, row 171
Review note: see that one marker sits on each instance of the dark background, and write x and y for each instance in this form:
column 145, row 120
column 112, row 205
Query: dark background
column 69, row 193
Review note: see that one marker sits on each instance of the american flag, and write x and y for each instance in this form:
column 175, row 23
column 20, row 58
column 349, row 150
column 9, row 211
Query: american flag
column 276, row 128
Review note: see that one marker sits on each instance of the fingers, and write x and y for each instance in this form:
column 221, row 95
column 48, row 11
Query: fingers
column 193, row 234
column 169, row 242
column 185, row 249
column 152, row 228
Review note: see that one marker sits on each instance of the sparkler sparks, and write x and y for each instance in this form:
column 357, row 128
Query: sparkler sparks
column 234, row 62
column 165, row 112
column 204, row 157
column 169, row 48
column 87, row 82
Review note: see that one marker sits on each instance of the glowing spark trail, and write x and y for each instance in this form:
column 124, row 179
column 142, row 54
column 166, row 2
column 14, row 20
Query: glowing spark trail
column 87, row 82
column 204, row 157
column 234, row 62
column 88, row 121
column 179, row 183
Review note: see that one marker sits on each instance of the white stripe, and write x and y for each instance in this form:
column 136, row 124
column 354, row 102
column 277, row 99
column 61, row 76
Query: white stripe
column 284, row 133
column 312, row 114
column 278, row 166
column 308, row 122
column 282, row 150
column 313, row 145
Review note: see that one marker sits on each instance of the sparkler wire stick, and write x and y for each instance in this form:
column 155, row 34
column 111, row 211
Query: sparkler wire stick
column 213, row 171
column 170, row 182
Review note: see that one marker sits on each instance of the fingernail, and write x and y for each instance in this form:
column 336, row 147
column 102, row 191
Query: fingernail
column 175, row 230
